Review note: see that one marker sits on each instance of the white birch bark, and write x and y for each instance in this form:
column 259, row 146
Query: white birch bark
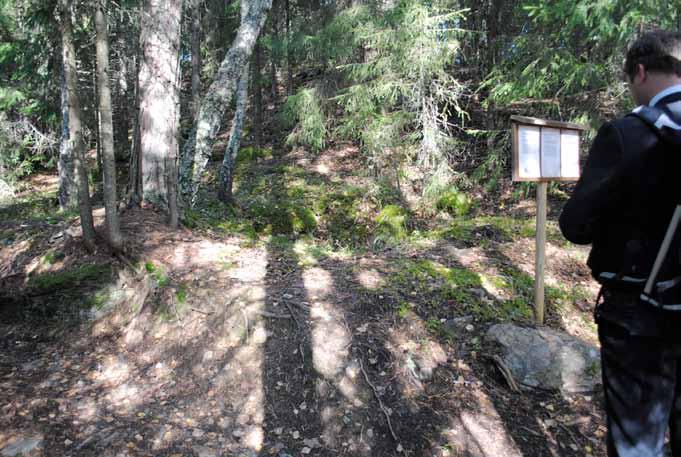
column 226, row 175
column 196, row 57
column 198, row 148
column 68, row 192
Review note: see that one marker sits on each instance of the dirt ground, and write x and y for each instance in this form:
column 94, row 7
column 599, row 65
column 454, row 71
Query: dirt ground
column 222, row 346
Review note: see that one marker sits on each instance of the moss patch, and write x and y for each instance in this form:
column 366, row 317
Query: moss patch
column 68, row 279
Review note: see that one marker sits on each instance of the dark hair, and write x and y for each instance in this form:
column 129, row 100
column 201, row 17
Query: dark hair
column 656, row 51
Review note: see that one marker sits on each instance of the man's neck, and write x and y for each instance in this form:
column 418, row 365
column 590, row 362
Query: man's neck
column 660, row 85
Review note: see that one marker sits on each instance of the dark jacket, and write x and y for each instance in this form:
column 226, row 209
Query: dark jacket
column 629, row 188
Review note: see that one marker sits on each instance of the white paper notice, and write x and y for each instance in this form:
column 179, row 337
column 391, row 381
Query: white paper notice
column 550, row 153
column 569, row 145
column 528, row 152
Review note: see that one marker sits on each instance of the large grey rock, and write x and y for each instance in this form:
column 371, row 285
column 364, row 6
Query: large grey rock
column 548, row 359
column 22, row 446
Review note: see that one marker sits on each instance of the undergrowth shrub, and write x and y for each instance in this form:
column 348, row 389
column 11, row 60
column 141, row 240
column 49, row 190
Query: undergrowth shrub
column 304, row 113
column 454, row 202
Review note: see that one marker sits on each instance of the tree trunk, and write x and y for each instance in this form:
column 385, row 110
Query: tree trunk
column 98, row 122
column 134, row 189
column 196, row 58
column 122, row 110
column 159, row 97
column 75, row 126
column 229, row 161
column 289, row 53
column 106, row 129
column 273, row 54
column 197, row 149
column 257, row 92
column 68, row 191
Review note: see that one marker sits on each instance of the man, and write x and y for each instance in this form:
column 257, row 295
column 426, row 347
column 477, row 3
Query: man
column 623, row 205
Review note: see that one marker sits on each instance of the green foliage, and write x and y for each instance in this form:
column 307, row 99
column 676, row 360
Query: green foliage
column 396, row 98
column 304, row 110
column 54, row 281
column 341, row 217
column 181, row 294
column 253, row 154
column 577, row 42
column 494, row 166
column 455, row 202
column 34, row 206
column 391, row 223
column 157, row 273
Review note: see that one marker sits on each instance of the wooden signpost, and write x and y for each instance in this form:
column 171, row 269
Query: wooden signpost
column 544, row 151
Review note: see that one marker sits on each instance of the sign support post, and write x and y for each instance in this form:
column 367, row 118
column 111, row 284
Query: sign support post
column 540, row 256
column 544, row 151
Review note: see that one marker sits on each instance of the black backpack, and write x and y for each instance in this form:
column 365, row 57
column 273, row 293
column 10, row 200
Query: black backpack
column 665, row 295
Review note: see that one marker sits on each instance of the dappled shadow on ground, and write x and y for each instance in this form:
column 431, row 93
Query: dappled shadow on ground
column 226, row 346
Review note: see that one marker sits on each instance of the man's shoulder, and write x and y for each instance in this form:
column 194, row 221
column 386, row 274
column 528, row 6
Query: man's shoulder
column 629, row 130
column 629, row 122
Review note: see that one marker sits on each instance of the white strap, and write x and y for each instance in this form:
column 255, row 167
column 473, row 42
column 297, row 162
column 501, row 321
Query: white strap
column 662, row 254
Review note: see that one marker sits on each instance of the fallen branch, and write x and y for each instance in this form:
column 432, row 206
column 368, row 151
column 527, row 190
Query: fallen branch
column 273, row 315
column 201, row 312
column 124, row 260
column 380, row 402
column 92, row 437
column 290, row 310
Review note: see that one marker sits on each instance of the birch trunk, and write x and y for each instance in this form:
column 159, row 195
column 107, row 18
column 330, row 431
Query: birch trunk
column 159, row 97
column 75, row 132
column 68, row 192
column 196, row 58
column 257, row 93
column 106, row 130
column 198, row 147
column 229, row 161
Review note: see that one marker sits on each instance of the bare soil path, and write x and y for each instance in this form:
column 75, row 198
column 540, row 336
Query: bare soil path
column 284, row 346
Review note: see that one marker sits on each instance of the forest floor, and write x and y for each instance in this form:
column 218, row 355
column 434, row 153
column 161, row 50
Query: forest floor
column 260, row 331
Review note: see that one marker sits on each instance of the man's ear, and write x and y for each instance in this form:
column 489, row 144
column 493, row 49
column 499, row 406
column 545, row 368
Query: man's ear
column 641, row 73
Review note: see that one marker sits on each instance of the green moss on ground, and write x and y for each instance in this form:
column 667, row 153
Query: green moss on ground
column 66, row 279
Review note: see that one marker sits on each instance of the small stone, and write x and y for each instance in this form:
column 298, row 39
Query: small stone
column 278, row 431
column 400, row 448
column 470, row 327
column 238, row 433
column 296, row 434
column 370, row 433
column 204, row 451
column 68, row 442
column 197, row 433
column 305, row 450
column 138, row 437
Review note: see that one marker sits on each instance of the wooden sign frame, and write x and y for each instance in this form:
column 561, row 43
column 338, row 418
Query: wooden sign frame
column 542, row 191
column 517, row 122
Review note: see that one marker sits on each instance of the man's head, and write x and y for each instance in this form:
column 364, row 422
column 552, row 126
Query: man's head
column 653, row 63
